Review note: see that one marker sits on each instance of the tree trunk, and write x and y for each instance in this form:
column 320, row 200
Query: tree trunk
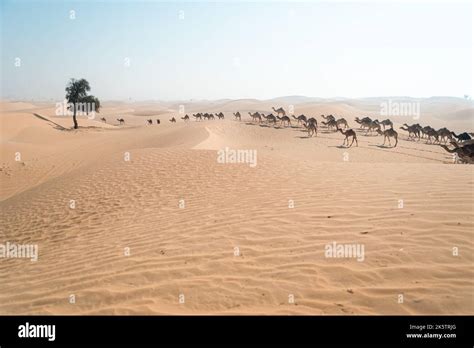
column 74, row 117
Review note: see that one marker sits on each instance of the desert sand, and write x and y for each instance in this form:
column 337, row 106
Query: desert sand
column 172, row 231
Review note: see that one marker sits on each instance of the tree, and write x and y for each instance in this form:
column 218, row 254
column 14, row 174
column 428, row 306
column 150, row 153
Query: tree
column 76, row 96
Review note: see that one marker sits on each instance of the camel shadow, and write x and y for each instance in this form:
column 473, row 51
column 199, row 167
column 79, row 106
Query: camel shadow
column 382, row 146
column 302, row 137
column 339, row 146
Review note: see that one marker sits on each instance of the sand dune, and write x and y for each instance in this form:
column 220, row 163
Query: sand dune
column 134, row 206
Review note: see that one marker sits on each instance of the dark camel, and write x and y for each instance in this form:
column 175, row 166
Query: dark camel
column 312, row 128
column 349, row 133
column 464, row 153
column 300, row 119
column 462, row 136
column 387, row 134
column 330, row 124
column 285, row 121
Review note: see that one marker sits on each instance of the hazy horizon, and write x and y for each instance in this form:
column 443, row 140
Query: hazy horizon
column 313, row 98
column 212, row 51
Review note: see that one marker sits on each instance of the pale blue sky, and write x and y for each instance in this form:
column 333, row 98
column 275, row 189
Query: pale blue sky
column 237, row 50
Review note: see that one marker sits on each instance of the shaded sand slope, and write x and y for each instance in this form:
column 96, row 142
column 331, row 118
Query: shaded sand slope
column 135, row 204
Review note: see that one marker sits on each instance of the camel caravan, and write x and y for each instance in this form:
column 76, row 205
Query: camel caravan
column 205, row 116
column 460, row 145
column 463, row 144
column 460, row 142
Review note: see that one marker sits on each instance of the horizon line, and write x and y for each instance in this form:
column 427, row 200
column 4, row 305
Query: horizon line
column 5, row 99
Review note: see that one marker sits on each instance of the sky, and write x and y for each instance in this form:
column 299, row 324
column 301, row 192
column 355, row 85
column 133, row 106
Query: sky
column 144, row 50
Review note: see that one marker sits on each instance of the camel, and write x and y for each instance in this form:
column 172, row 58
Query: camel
column 461, row 137
column 432, row 134
column 466, row 148
column 210, row 116
column 279, row 111
column 158, row 121
column 343, row 122
column 173, row 120
column 237, row 116
column 386, row 123
column 358, row 120
column 413, row 130
column 312, row 128
column 311, row 120
column 365, row 122
column 349, row 133
column 300, row 118
column 445, row 134
column 424, row 131
column 198, row 116
column 185, row 118
column 121, row 120
column 464, row 153
column 329, row 118
column 256, row 116
column 418, row 129
column 284, row 120
column 220, row 116
column 330, row 124
column 387, row 134
column 374, row 125
column 150, row 121
column 270, row 119
column 105, row 121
